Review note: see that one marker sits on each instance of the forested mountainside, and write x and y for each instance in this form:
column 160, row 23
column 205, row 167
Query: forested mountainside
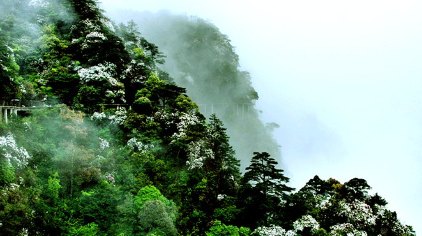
column 200, row 58
column 106, row 143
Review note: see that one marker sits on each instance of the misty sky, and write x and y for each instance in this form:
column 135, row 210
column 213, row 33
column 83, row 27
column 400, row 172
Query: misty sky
column 341, row 78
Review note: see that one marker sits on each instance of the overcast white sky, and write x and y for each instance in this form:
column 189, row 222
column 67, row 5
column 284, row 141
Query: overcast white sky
column 341, row 78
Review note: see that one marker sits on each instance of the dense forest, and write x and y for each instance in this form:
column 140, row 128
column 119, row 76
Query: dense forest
column 106, row 142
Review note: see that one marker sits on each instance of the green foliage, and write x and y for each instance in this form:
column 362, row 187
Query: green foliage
column 143, row 101
column 139, row 48
column 263, row 175
column 155, row 217
column 184, row 103
column 86, row 96
column 53, row 187
column 156, row 214
column 7, row 173
column 149, row 193
column 90, row 229
column 263, row 188
column 100, row 205
column 219, row 228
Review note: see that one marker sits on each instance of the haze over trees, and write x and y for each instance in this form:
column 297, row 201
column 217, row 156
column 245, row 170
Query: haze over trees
column 200, row 58
column 113, row 146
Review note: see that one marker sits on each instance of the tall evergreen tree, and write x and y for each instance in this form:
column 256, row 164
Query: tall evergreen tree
column 213, row 183
column 263, row 190
column 224, row 165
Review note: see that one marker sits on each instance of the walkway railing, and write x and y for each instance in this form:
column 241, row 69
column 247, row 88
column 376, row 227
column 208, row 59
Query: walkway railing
column 7, row 112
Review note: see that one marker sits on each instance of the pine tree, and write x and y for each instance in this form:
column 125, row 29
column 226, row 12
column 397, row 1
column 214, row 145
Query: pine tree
column 263, row 190
column 224, row 165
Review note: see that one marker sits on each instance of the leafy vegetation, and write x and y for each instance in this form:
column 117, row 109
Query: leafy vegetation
column 113, row 146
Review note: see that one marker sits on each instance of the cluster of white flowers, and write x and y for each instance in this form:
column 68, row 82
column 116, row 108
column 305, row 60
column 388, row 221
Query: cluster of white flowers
column 346, row 229
column 324, row 201
column 17, row 156
column 398, row 228
column 166, row 117
column 24, row 232
column 186, row 121
column 119, row 116
column 92, row 38
column 306, row 221
column 131, row 71
column 273, row 230
column 89, row 25
column 138, row 145
column 198, row 152
column 98, row 116
column 221, row 197
column 12, row 187
column 104, row 144
column 99, row 72
column 358, row 212
column 380, row 210
column 22, row 88
column 95, row 35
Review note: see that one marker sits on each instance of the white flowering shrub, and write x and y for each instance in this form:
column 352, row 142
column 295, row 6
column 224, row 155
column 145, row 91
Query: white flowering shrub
column 346, row 229
column 93, row 35
column 306, row 221
column 358, row 213
column 100, row 72
column 134, row 144
column 15, row 155
column 323, row 201
column 89, row 25
column 221, row 197
column 132, row 71
column 92, row 38
column 98, row 116
column 96, row 35
column 383, row 213
column 273, row 230
column 119, row 116
column 104, row 144
column 168, row 118
column 198, row 152
column 187, row 120
column 400, row 229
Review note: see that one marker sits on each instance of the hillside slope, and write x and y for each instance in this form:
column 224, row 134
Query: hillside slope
column 112, row 146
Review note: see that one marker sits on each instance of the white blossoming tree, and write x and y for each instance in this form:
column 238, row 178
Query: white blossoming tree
column 331, row 208
column 13, row 154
